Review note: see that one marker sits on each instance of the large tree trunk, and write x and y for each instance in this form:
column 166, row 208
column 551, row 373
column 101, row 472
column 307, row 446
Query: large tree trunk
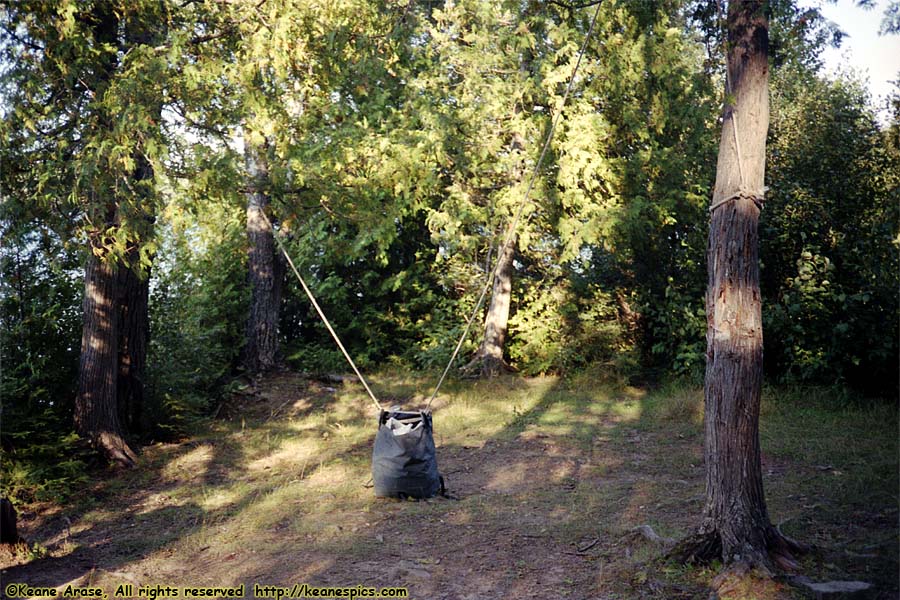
column 735, row 526
column 134, row 315
column 261, row 351
column 116, row 321
column 96, row 408
column 488, row 360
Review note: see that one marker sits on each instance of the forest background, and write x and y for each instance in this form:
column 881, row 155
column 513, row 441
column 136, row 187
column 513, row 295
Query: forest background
column 391, row 143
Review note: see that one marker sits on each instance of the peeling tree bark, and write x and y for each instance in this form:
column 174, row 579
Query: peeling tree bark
column 265, row 271
column 735, row 526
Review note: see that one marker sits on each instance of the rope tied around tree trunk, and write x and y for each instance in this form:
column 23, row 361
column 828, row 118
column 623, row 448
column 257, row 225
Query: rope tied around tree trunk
column 743, row 191
column 758, row 197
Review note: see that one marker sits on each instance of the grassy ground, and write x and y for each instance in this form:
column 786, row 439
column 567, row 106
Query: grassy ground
column 553, row 476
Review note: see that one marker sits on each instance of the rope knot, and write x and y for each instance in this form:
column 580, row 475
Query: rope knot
column 758, row 197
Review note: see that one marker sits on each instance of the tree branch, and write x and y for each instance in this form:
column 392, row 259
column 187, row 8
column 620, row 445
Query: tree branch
column 23, row 41
column 575, row 6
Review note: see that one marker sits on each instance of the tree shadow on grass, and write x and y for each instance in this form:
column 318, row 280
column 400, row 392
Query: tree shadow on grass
column 547, row 502
column 838, row 509
column 552, row 478
column 179, row 492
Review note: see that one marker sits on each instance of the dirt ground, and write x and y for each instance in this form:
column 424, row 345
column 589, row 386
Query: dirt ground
column 549, row 496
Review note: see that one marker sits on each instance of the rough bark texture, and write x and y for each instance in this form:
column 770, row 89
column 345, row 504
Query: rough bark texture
column 134, row 314
column 735, row 526
column 133, row 331
column 96, row 408
column 488, row 360
column 266, row 274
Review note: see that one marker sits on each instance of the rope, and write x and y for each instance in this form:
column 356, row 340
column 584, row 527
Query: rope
column 737, row 144
column 511, row 231
column 743, row 191
column 315, row 304
column 755, row 195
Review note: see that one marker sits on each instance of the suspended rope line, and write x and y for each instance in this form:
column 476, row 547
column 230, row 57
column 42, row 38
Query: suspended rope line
column 315, row 304
column 511, row 231
column 737, row 144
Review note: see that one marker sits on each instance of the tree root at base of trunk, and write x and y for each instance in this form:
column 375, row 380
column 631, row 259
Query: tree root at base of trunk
column 778, row 553
column 116, row 449
column 484, row 366
column 697, row 549
column 746, row 568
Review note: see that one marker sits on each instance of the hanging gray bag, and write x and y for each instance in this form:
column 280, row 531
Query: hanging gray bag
column 404, row 461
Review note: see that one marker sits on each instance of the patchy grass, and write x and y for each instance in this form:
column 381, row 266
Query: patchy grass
column 552, row 475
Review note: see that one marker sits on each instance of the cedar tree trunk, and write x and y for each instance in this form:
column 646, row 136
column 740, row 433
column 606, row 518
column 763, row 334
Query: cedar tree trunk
column 261, row 351
column 96, row 412
column 134, row 320
column 134, row 281
column 735, row 526
column 96, row 408
column 488, row 360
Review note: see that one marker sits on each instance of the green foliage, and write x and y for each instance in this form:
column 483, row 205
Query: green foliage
column 399, row 140
column 381, row 300
column 678, row 324
column 828, row 238
column 40, row 313
column 42, row 463
column 198, row 310
column 81, row 117
column 318, row 359
column 439, row 332
column 648, row 128
column 561, row 329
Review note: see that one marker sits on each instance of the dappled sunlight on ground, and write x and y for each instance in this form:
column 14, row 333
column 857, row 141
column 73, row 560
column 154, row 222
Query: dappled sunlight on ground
column 551, row 476
column 511, row 477
column 189, row 466
column 335, row 475
column 291, row 453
